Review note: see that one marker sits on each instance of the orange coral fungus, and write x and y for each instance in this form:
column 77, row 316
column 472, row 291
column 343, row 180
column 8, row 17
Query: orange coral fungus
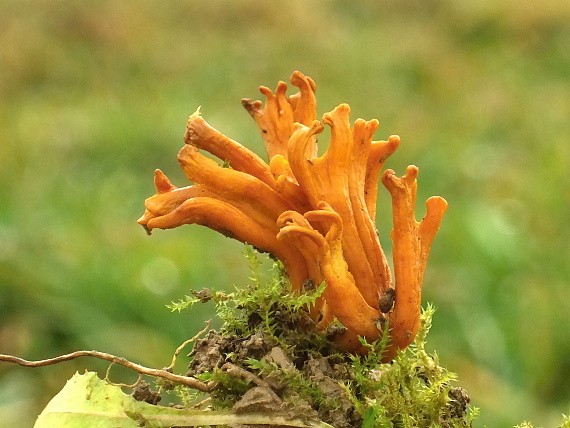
column 315, row 214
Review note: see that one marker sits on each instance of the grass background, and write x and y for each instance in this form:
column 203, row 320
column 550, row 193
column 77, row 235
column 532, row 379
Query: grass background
column 94, row 95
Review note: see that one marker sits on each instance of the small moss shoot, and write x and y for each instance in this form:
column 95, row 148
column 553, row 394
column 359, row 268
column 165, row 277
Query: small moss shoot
column 268, row 340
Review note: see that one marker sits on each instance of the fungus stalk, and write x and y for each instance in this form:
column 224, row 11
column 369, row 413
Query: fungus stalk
column 315, row 214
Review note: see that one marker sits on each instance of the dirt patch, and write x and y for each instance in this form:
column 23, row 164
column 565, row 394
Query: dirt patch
column 142, row 392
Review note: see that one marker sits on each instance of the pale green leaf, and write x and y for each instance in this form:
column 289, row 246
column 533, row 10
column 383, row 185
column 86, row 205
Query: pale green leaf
column 87, row 401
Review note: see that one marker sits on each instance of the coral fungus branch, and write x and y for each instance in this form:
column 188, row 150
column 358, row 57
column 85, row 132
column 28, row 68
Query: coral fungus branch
column 411, row 244
column 276, row 120
column 203, row 136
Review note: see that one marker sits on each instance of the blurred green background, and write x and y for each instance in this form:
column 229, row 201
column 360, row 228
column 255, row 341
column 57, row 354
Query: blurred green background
column 94, row 95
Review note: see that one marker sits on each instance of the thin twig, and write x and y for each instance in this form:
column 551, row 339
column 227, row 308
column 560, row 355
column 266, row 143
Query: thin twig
column 183, row 380
column 181, row 347
column 201, row 403
column 122, row 385
column 243, row 374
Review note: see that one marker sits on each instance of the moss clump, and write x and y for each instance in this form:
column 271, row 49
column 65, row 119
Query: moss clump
column 565, row 423
column 270, row 349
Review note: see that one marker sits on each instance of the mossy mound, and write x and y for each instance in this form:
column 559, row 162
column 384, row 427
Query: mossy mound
column 269, row 357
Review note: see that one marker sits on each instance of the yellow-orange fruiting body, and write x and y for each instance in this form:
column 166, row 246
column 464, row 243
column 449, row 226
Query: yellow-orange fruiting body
column 315, row 214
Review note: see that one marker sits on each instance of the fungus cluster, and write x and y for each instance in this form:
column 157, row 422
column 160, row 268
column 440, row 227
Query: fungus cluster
column 315, row 214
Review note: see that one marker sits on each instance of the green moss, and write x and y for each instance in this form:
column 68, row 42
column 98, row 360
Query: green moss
column 311, row 373
column 229, row 389
column 412, row 391
column 565, row 423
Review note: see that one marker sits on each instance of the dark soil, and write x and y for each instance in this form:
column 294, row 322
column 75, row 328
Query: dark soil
column 273, row 394
column 142, row 392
